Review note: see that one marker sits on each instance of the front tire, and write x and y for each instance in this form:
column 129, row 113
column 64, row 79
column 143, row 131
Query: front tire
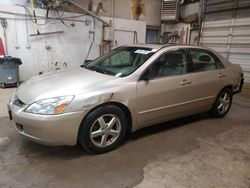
column 223, row 103
column 103, row 130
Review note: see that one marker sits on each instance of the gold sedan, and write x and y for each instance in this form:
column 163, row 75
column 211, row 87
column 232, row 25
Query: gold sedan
column 126, row 89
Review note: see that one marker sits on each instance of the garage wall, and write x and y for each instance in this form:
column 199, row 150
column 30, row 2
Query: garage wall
column 226, row 28
column 122, row 9
column 126, row 31
column 49, row 52
column 13, row 2
column 59, row 51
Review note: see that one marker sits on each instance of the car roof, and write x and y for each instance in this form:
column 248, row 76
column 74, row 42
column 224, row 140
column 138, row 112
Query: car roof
column 174, row 46
column 154, row 46
column 160, row 46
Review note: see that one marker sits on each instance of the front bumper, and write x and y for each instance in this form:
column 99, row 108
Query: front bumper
column 47, row 129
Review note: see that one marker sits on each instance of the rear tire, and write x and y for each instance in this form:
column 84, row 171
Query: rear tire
column 103, row 130
column 223, row 103
column 2, row 85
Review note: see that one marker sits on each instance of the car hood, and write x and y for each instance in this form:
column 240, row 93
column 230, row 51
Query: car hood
column 62, row 83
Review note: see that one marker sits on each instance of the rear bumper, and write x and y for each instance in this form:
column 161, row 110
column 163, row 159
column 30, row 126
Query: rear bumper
column 47, row 129
column 238, row 87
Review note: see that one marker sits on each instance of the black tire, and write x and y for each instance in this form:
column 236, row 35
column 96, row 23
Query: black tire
column 2, row 85
column 91, row 126
column 222, row 103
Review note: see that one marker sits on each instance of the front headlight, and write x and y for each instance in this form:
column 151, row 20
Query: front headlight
column 50, row 106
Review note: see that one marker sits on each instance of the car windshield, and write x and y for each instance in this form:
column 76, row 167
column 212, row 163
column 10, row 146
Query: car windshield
column 122, row 61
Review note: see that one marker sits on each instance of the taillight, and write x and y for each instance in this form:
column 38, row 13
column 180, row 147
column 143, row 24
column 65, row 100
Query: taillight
column 242, row 74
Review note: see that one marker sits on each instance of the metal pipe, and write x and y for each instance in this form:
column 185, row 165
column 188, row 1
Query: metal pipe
column 201, row 20
column 70, row 20
column 123, row 30
column 4, row 25
column 39, row 17
column 5, row 41
column 47, row 33
column 22, row 14
column 113, row 21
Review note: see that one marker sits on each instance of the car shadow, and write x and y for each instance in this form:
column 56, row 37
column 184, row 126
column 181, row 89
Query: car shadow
column 165, row 126
column 63, row 152
column 30, row 149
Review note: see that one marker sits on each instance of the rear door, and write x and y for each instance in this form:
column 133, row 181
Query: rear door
column 208, row 76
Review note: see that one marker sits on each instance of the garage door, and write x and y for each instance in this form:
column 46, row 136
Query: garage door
column 226, row 28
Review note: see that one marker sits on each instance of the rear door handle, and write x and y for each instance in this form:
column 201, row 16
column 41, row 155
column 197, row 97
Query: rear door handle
column 220, row 75
column 185, row 82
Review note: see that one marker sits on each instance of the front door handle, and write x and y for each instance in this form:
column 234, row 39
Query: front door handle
column 220, row 75
column 185, row 82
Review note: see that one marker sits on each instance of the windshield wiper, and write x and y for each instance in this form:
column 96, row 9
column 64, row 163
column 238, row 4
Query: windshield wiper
column 100, row 70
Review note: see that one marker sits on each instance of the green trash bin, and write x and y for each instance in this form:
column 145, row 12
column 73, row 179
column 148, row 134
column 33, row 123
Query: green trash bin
column 9, row 71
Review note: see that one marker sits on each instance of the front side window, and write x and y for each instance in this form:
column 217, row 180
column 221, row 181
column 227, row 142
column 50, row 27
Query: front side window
column 204, row 60
column 122, row 61
column 169, row 64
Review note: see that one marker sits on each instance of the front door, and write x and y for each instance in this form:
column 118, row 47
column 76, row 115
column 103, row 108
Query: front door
column 167, row 93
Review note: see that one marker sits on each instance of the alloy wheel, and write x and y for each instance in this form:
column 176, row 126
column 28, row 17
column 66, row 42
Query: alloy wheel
column 224, row 102
column 105, row 130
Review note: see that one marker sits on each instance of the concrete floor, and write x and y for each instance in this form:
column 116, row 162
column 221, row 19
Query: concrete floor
column 197, row 151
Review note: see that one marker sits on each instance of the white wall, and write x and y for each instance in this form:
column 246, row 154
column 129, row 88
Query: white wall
column 152, row 8
column 122, row 9
column 123, row 31
column 70, row 47
column 173, row 27
column 13, row 2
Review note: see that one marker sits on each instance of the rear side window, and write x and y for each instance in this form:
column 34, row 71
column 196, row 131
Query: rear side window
column 204, row 60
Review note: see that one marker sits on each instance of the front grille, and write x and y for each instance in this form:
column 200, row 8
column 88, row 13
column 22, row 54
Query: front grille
column 18, row 102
